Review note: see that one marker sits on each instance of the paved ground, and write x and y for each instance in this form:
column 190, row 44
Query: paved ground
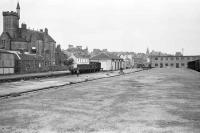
column 153, row 101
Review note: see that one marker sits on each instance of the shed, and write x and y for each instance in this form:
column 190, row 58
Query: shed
column 108, row 61
column 7, row 62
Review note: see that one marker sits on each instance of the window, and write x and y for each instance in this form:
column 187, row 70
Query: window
column 182, row 58
column 156, row 58
column 177, row 65
column 161, row 65
column 172, row 58
column 161, row 58
column 166, row 58
column 188, row 58
column 182, row 64
column 177, row 58
column 3, row 43
column 156, row 64
column 166, row 64
column 172, row 64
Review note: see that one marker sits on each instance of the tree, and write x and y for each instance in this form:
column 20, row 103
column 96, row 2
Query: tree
column 69, row 62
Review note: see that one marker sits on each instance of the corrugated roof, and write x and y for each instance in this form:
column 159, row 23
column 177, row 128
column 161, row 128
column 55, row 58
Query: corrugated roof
column 25, row 56
column 30, row 57
column 11, row 52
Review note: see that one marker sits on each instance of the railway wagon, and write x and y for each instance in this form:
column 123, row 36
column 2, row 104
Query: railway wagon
column 87, row 68
column 195, row 65
column 7, row 62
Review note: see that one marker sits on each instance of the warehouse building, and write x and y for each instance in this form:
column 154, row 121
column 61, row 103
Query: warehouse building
column 171, row 61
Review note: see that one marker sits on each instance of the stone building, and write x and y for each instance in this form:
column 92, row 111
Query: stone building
column 17, row 38
column 171, row 61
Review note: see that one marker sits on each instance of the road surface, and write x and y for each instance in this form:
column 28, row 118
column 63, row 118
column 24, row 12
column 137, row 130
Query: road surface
column 152, row 101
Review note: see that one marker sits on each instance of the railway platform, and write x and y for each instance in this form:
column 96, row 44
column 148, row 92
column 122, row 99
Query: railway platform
column 16, row 77
column 9, row 89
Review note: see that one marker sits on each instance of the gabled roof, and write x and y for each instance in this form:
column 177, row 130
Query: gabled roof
column 7, row 34
column 103, row 56
column 77, row 55
column 50, row 38
column 37, row 35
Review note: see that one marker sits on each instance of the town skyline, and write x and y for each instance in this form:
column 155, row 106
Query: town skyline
column 116, row 26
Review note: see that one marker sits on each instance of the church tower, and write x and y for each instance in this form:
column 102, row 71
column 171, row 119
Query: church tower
column 18, row 9
column 11, row 22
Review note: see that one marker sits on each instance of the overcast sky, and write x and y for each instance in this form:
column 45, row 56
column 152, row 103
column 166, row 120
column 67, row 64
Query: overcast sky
column 118, row 25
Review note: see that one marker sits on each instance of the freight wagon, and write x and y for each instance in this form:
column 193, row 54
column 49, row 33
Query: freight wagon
column 195, row 65
column 87, row 68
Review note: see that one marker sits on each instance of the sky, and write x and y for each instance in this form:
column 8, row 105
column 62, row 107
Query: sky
column 116, row 25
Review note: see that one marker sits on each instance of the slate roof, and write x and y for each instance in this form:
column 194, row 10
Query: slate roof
column 103, row 56
column 30, row 34
column 19, row 40
column 6, row 34
column 81, row 55
column 38, row 35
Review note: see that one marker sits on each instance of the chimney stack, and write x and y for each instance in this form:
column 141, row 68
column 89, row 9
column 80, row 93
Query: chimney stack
column 46, row 30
